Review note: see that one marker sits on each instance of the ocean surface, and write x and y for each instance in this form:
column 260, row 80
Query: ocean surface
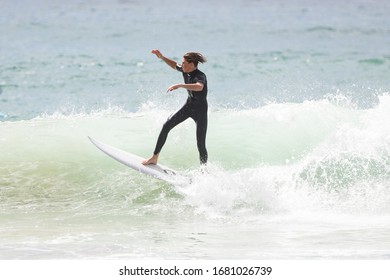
column 298, row 137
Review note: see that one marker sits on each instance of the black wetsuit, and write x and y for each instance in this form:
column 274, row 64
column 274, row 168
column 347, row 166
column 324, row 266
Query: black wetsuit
column 195, row 108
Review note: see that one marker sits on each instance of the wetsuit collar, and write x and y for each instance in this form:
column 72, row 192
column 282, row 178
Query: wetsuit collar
column 193, row 72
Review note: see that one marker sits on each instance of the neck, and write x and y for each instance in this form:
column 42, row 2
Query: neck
column 192, row 70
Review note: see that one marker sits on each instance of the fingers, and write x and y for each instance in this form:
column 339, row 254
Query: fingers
column 157, row 53
column 173, row 87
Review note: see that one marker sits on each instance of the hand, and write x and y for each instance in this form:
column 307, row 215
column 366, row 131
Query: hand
column 173, row 87
column 157, row 53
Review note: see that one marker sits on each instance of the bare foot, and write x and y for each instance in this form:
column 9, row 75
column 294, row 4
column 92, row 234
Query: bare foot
column 151, row 160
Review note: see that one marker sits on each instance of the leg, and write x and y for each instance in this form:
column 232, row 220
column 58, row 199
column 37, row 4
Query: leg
column 201, row 130
column 172, row 121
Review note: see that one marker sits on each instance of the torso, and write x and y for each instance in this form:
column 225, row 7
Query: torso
column 192, row 78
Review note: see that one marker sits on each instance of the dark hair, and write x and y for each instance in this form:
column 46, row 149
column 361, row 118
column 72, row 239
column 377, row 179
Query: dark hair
column 195, row 58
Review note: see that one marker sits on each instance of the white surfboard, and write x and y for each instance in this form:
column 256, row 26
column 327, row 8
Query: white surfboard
column 135, row 162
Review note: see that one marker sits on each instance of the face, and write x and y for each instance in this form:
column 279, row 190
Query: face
column 187, row 66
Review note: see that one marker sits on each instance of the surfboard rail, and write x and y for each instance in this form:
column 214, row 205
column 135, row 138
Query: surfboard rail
column 133, row 161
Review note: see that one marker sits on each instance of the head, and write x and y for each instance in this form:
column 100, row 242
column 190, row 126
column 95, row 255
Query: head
column 191, row 60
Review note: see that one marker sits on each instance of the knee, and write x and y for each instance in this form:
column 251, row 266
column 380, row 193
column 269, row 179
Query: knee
column 166, row 127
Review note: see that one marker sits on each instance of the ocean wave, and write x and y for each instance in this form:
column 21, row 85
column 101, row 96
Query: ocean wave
column 280, row 157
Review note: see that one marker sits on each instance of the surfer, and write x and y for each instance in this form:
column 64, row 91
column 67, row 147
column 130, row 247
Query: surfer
column 195, row 83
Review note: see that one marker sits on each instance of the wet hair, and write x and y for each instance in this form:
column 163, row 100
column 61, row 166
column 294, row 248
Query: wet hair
column 195, row 58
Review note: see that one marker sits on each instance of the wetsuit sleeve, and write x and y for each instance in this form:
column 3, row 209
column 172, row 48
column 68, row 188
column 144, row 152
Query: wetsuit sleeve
column 179, row 68
column 200, row 79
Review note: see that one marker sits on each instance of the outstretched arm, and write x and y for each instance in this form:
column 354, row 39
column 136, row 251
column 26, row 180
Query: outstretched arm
column 193, row 87
column 168, row 61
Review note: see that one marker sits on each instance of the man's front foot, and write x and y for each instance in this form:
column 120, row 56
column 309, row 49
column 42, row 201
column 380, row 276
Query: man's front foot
column 151, row 160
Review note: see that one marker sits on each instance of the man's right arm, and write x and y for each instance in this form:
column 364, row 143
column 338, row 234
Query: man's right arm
column 168, row 61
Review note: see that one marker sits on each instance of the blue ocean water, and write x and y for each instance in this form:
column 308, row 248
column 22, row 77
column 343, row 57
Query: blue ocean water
column 298, row 134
